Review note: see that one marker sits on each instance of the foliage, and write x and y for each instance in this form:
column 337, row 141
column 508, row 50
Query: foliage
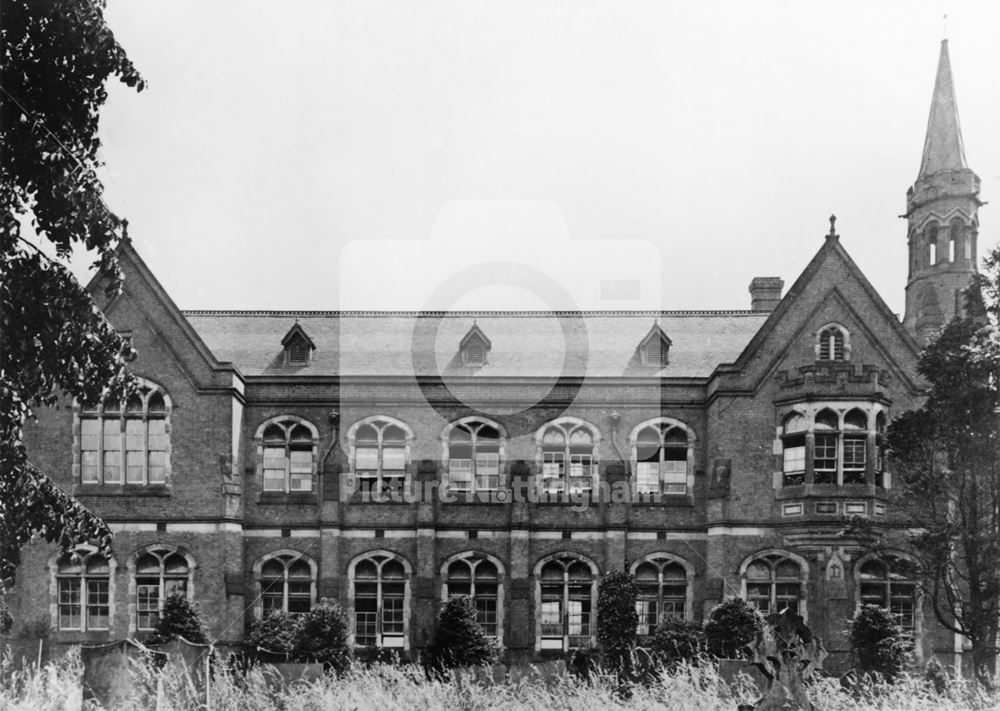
column 323, row 636
column 459, row 641
column 56, row 58
column 677, row 640
column 946, row 468
column 730, row 627
column 276, row 633
column 878, row 642
column 616, row 618
column 178, row 618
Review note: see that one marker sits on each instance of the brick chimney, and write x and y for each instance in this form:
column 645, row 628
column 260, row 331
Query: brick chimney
column 765, row 293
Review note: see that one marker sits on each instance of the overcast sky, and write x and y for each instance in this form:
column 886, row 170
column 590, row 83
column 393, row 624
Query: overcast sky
column 310, row 154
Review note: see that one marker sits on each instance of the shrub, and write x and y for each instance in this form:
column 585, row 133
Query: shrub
column 459, row 641
column 276, row 633
column 676, row 640
column 322, row 636
column 878, row 642
column 178, row 618
column 616, row 618
column 730, row 627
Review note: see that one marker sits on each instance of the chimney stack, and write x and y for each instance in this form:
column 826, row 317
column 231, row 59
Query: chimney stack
column 765, row 293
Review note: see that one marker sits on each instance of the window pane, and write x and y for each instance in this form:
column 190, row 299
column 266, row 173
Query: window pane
column 460, row 474
column 825, row 460
column 487, row 471
column 393, row 458
column 365, row 458
column 274, row 468
column 301, row 470
column 90, row 442
column 648, row 477
column 674, row 474
column 855, row 459
column 70, row 614
column 97, row 604
column 147, row 604
column 89, row 469
column 112, row 467
column 580, row 472
column 551, row 617
column 157, row 467
column 133, row 467
column 645, row 608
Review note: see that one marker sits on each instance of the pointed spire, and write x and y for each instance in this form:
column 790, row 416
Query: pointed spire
column 943, row 148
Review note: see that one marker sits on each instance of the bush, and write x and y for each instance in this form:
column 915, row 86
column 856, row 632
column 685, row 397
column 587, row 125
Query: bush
column 676, row 640
column 178, row 618
column 276, row 633
column 616, row 618
column 322, row 636
column 730, row 627
column 878, row 642
column 459, row 641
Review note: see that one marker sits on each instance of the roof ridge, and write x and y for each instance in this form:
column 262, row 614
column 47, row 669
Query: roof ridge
column 470, row 313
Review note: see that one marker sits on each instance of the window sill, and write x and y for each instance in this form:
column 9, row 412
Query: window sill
column 279, row 497
column 122, row 490
column 799, row 491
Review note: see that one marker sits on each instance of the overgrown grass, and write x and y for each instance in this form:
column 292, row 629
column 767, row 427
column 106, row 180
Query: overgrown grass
column 385, row 688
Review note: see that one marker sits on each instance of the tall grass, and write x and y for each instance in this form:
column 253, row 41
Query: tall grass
column 386, row 688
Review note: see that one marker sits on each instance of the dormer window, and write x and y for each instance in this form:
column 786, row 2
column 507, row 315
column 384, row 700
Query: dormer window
column 654, row 350
column 833, row 343
column 298, row 346
column 474, row 347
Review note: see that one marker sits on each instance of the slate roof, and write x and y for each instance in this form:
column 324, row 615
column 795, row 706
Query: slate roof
column 524, row 344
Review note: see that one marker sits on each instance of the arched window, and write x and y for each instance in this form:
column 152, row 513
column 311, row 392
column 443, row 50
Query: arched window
column 793, row 440
column 473, row 455
column 288, row 455
column 855, row 441
column 661, row 458
column 567, row 591
column 287, row 582
column 379, row 587
column 129, row 444
column 832, row 343
column 932, row 244
column 825, row 456
column 888, row 583
column 159, row 573
column 568, row 449
column 380, row 451
column 662, row 587
column 773, row 582
column 474, row 575
column 880, row 473
column 83, row 587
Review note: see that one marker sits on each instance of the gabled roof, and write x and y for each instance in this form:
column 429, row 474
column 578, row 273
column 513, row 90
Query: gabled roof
column 475, row 334
column 943, row 146
column 655, row 332
column 297, row 332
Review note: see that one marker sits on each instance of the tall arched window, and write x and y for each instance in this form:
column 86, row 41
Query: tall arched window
column 832, row 343
column 825, row 456
column 880, row 445
column 288, row 455
column 380, row 596
column 473, row 455
column 932, row 244
column 83, row 589
column 159, row 573
column 129, row 444
column 474, row 575
column 888, row 583
column 774, row 581
column 661, row 451
column 855, row 443
column 567, row 591
column 380, row 450
column 662, row 587
column 568, row 453
column 287, row 582
column 793, row 441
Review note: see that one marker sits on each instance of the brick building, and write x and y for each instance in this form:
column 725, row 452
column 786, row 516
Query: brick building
column 390, row 460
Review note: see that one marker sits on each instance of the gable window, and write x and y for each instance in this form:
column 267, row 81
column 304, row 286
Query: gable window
column 836, row 443
column 380, row 448
column 287, row 455
column 568, row 453
column 473, row 456
column 833, row 343
column 654, row 349
column 297, row 345
column 287, row 582
column 474, row 347
column 127, row 444
column 887, row 583
column 474, row 576
column 159, row 573
column 773, row 582
column 380, row 599
column 83, row 589
column 662, row 591
column 661, row 454
column 567, row 590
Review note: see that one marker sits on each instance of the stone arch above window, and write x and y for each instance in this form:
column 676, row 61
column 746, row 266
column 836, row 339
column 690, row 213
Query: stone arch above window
column 481, row 577
column 663, row 455
column 473, row 450
column 81, row 590
column 567, row 453
column 664, row 585
column 287, row 455
column 833, row 343
column 155, row 573
column 379, row 599
column 285, row 581
column 775, row 579
column 116, row 443
column 565, row 601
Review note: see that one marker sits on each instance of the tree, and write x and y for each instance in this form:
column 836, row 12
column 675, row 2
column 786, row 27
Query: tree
column 730, row 627
column 677, row 640
column 878, row 642
column 322, row 636
column 55, row 58
column 616, row 618
column 178, row 618
column 946, row 469
column 459, row 641
column 276, row 633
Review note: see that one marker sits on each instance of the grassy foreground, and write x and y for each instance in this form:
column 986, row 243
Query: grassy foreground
column 385, row 688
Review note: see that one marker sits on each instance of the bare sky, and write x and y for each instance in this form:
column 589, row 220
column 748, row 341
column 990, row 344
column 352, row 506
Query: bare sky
column 302, row 154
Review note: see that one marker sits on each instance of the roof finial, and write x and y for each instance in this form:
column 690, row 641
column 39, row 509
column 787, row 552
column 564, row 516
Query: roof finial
column 944, row 28
column 833, row 227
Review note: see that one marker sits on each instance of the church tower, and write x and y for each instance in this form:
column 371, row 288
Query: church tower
column 941, row 214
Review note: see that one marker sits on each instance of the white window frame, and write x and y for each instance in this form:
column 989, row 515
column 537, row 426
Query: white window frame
column 85, row 554
column 287, row 423
column 567, row 426
column 476, row 424
column 160, row 551
column 382, row 640
column 287, row 556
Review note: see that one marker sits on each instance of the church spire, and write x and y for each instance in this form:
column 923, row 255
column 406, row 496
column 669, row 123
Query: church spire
column 943, row 147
